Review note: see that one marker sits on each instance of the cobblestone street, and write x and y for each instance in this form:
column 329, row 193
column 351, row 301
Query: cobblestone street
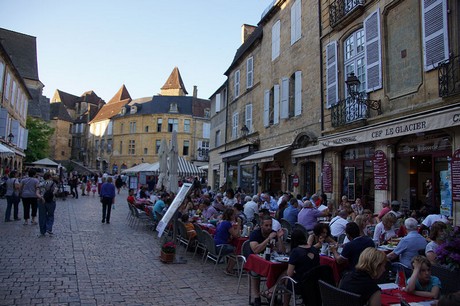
column 90, row 263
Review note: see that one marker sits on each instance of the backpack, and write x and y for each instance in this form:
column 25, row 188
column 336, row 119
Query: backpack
column 48, row 196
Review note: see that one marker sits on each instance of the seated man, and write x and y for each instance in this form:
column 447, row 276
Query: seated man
column 207, row 210
column 218, row 203
column 291, row 212
column 409, row 246
column 251, row 207
column 258, row 241
column 354, row 248
column 338, row 223
column 430, row 219
column 276, row 226
column 309, row 214
column 159, row 206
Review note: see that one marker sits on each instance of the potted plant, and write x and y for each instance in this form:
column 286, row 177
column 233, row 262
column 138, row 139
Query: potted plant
column 168, row 251
column 448, row 253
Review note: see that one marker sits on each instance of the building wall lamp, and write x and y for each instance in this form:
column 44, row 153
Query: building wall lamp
column 10, row 138
column 353, row 83
column 252, row 140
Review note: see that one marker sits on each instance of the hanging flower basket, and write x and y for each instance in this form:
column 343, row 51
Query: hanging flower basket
column 168, row 252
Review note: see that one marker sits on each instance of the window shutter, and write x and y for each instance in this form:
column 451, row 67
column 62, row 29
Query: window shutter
column 217, row 103
column 332, row 93
column 3, row 122
column 284, row 98
column 298, row 94
column 15, row 131
column 435, row 36
column 276, row 104
column 372, row 52
column 249, row 72
column 276, row 40
column 267, row 108
column 248, row 115
column 296, row 21
column 25, row 139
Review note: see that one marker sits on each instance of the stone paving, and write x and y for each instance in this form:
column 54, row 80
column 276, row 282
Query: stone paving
column 90, row 263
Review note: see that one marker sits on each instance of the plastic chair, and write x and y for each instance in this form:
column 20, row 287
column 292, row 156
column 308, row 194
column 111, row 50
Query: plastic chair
column 241, row 261
column 183, row 238
column 299, row 226
column 200, row 241
column 211, row 248
column 332, row 295
column 285, row 224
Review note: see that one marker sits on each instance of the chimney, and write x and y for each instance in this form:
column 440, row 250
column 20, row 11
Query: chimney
column 195, row 91
column 246, row 30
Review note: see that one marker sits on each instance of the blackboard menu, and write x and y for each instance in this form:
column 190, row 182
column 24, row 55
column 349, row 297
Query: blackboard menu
column 380, row 170
column 327, row 177
column 455, row 168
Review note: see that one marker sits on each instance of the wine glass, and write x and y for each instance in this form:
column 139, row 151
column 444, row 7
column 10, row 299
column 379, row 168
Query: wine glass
column 400, row 280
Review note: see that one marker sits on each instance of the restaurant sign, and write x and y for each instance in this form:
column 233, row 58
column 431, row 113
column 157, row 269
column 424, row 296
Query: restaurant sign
column 423, row 123
column 327, row 177
column 380, row 170
column 455, row 175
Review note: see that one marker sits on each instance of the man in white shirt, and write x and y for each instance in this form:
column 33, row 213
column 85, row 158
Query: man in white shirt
column 430, row 219
column 339, row 223
column 251, row 207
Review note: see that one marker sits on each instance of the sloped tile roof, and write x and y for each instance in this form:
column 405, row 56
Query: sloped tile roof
column 22, row 50
column 58, row 111
column 113, row 107
column 175, row 81
column 122, row 94
column 69, row 100
column 250, row 41
column 90, row 97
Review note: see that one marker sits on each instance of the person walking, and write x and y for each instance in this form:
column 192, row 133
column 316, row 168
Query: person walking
column 12, row 196
column 107, row 199
column 47, row 205
column 30, row 192
column 118, row 184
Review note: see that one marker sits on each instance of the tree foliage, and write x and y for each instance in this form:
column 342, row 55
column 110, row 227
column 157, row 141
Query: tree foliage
column 38, row 139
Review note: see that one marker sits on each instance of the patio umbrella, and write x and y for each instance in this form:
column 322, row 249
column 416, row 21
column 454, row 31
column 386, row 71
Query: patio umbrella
column 173, row 164
column 163, row 160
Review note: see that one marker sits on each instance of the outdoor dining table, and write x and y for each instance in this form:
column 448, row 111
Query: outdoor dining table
column 266, row 268
column 238, row 243
column 392, row 297
column 336, row 268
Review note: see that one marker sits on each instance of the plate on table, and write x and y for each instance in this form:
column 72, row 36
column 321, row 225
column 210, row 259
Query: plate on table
column 281, row 258
column 388, row 247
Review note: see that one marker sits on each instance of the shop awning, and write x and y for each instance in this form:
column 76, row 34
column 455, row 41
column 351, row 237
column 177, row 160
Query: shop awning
column 263, row 156
column 5, row 152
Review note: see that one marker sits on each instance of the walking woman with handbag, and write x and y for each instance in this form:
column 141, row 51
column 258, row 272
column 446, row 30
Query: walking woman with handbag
column 12, row 196
column 47, row 205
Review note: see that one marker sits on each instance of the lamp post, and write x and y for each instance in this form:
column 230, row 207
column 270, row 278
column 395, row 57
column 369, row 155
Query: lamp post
column 245, row 133
column 353, row 85
column 10, row 137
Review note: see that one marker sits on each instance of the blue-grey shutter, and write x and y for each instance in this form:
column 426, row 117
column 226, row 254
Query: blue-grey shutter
column 267, row 108
column 276, row 104
column 217, row 103
column 298, row 94
column 3, row 122
column 284, row 98
column 332, row 93
column 435, row 36
column 372, row 52
column 15, row 131
column 25, row 138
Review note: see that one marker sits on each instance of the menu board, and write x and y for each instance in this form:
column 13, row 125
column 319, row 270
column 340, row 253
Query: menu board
column 455, row 169
column 327, row 177
column 380, row 170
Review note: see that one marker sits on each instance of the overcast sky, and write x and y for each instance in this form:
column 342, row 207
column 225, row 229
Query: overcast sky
column 101, row 44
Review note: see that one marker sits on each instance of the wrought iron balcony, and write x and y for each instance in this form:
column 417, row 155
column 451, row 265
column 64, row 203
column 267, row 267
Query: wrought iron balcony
column 342, row 10
column 449, row 77
column 353, row 109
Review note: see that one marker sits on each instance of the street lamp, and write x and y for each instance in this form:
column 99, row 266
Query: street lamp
column 245, row 133
column 10, row 137
column 353, row 85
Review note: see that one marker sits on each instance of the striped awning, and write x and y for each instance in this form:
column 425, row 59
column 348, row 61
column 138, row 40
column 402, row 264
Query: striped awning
column 185, row 168
column 5, row 151
column 188, row 169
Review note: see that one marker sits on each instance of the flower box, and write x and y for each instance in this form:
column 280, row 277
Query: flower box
column 167, row 257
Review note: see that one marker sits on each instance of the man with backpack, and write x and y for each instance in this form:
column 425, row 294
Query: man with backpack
column 47, row 205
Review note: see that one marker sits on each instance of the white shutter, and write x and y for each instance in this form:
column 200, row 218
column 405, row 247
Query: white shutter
column 284, row 98
column 3, row 122
column 25, row 139
column 15, row 131
column 435, row 36
column 217, row 103
column 248, row 117
column 298, row 94
column 332, row 93
column 372, row 52
column 206, row 130
column 276, row 104
column 249, row 72
column 267, row 108
column 296, row 21
column 276, row 40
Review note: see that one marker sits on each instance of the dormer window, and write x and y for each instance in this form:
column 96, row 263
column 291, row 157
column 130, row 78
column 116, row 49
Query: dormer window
column 133, row 110
column 123, row 110
column 207, row 112
column 173, row 108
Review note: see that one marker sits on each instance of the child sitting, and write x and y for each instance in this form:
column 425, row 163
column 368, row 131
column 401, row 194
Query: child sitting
column 421, row 282
column 191, row 233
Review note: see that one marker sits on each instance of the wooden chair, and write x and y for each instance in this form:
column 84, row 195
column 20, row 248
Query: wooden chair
column 332, row 295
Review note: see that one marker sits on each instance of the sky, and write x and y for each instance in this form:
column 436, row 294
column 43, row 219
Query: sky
column 100, row 45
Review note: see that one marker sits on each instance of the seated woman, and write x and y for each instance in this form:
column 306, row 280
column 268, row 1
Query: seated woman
column 302, row 259
column 384, row 230
column 437, row 236
column 191, row 233
column 225, row 231
column 421, row 282
column 363, row 280
column 321, row 234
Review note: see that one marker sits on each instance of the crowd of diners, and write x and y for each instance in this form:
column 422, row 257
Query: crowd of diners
column 351, row 233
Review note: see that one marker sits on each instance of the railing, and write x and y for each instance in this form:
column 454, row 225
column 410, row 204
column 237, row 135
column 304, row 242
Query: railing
column 340, row 8
column 353, row 109
column 449, row 77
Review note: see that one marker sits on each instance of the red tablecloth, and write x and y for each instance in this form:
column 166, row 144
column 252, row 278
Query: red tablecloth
column 208, row 227
column 391, row 296
column 270, row 270
column 238, row 243
column 336, row 269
